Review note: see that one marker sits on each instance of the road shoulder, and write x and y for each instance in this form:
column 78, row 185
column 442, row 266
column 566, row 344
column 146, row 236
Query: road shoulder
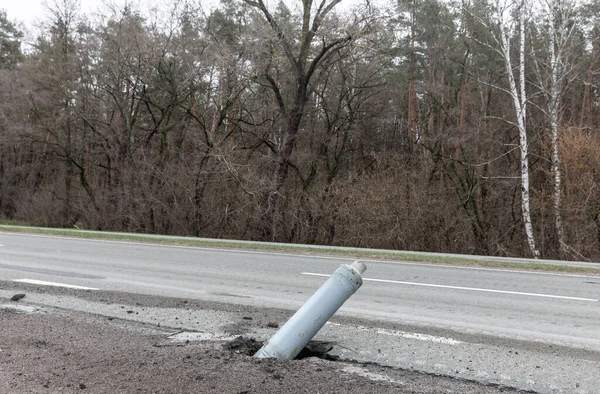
column 54, row 348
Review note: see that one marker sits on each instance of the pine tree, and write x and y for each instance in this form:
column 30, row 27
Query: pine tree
column 10, row 43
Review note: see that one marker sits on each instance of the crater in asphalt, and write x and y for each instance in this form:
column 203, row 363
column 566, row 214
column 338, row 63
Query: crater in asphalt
column 249, row 346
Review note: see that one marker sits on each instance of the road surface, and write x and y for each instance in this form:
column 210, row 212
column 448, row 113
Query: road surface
column 530, row 330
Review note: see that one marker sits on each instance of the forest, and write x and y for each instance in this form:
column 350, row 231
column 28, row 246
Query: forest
column 466, row 126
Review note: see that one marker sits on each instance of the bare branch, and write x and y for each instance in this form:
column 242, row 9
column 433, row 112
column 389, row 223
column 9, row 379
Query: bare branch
column 287, row 47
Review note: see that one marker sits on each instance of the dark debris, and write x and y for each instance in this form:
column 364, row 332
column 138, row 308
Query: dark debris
column 17, row 297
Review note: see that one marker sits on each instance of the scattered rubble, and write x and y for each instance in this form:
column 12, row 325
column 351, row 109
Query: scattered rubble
column 243, row 345
column 17, row 297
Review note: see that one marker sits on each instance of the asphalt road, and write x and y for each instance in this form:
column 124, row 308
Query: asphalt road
column 535, row 331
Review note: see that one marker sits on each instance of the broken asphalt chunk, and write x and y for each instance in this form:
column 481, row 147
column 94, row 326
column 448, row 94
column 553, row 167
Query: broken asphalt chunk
column 17, row 297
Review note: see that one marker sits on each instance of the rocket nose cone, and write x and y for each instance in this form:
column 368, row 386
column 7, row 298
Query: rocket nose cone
column 359, row 266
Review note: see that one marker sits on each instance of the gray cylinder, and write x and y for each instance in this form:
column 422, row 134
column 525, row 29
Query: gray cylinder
column 308, row 320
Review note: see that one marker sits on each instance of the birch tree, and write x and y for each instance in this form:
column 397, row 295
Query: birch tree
column 507, row 20
column 553, row 70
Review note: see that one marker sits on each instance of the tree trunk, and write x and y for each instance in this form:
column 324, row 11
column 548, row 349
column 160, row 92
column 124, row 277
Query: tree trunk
column 553, row 108
column 303, row 69
column 520, row 102
column 271, row 199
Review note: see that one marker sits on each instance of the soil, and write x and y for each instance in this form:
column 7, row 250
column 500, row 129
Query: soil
column 74, row 352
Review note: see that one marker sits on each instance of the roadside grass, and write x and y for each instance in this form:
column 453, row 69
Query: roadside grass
column 350, row 253
column 10, row 222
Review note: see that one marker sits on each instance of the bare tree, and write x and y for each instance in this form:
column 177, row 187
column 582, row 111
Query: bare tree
column 303, row 63
column 56, row 86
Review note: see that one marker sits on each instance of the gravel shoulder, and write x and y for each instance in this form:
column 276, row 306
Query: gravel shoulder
column 52, row 349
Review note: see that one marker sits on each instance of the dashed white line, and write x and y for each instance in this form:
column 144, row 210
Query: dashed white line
column 369, row 375
column 55, row 284
column 19, row 308
column 467, row 288
column 467, row 268
column 402, row 334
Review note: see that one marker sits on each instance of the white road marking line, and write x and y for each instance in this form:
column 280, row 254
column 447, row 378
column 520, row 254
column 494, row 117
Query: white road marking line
column 402, row 334
column 369, row 375
column 466, row 288
column 19, row 308
column 55, row 284
column 143, row 242
column 512, row 271
column 199, row 336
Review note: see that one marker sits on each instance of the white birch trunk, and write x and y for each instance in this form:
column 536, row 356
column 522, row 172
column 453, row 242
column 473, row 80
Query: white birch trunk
column 519, row 97
column 553, row 115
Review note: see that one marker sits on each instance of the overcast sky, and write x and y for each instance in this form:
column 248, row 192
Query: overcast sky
column 30, row 11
